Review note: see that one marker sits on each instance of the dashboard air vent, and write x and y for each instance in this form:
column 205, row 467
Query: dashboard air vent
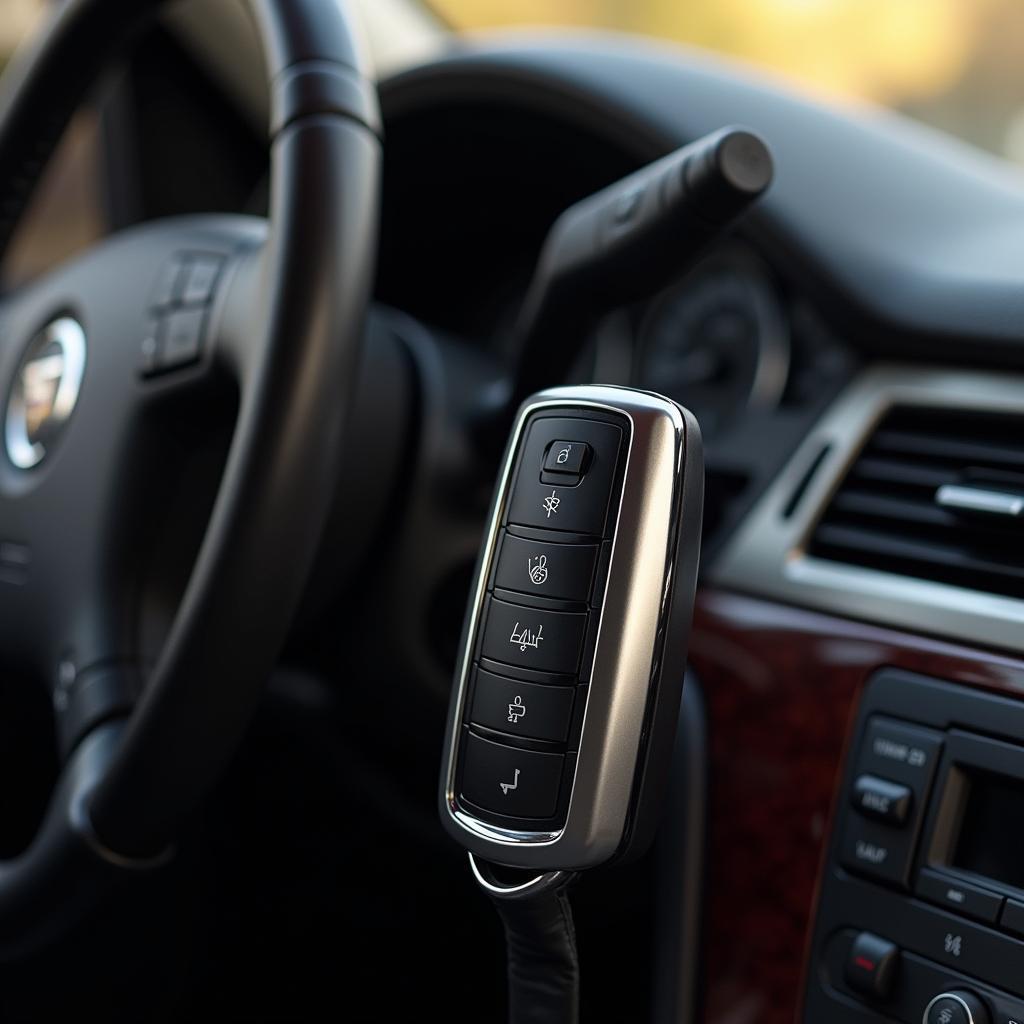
column 937, row 494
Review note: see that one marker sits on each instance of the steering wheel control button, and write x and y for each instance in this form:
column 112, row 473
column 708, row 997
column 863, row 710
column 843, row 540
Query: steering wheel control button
column 566, row 457
column 182, row 340
column 534, row 637
column 507, row 780
column 878, row 798
column 181, row 297
column 186, row 280
column 522, row 709
column 563, row 571
column 200, row 278
column 872, row 966
column 960, row 897
column 560, row 501
column 169, row 281
column 960, row 1007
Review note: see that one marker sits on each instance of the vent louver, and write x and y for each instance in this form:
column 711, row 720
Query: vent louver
column 886, row 516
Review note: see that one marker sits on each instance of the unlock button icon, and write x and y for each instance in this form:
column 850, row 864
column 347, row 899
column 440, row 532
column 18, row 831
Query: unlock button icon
column 566, row 457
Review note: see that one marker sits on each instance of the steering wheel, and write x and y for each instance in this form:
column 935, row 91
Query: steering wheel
column 92, row 357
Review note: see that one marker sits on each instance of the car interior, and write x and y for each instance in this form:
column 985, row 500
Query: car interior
column 504, row 525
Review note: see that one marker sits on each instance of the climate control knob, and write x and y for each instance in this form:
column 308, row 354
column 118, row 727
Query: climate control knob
column 959, row 1007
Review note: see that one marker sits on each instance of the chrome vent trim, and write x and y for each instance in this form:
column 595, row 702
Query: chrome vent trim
column 935, row 494
column 768, row 556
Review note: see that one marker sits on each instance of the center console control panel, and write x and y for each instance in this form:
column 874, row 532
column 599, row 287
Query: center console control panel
column 567, row 693
column 921, row 906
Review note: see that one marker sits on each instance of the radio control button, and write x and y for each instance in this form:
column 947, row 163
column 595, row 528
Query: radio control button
column 878, row 798
column 869, row 848
column 1013, row 919
column 959, row 1007
column 872, row 965
column 1007, row 1010
column 902, row 756
column 960, row 897
column 901, row 753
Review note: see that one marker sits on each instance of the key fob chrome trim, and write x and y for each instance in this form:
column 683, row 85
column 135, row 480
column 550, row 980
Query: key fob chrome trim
column 635, row 660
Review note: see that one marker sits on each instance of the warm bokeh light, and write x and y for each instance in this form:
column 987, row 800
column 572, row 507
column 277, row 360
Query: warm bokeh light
column 65, row 212
column 888, row 50
column 17, row 18
column 954, row 63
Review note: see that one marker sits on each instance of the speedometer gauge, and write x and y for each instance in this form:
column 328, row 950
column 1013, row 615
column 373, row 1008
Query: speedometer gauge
column 718, row 342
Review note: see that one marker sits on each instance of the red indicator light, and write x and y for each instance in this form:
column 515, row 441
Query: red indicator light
column 864, row 963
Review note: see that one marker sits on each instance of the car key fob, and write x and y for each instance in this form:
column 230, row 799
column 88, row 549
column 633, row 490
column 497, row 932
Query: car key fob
column 567, row 689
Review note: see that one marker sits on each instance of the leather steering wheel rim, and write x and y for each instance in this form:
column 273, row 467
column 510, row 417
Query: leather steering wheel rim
column 288, row 323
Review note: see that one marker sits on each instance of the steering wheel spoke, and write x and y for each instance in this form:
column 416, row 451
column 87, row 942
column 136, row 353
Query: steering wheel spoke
column 93, row 433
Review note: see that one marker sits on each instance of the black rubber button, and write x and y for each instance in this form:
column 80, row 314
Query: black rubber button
column 522, row 709
column 883, row 800
column 580, row 506
column 872, row 965
column 871, row 848
column 563, row 571
column 1013, row 917
column 900, row 753
column 182, row 338
column 200, row 278
column 167, row 289
column 507, row 780
column 566, row 457
column 534, row 638
column 960, row 897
